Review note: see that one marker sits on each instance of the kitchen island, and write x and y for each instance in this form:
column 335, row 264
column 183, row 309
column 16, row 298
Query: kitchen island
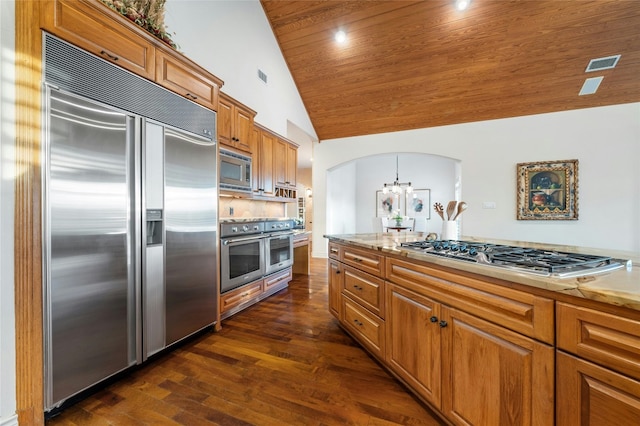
column 486, row 345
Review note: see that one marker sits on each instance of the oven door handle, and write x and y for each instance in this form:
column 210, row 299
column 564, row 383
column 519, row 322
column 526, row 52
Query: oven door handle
column 238, row 240
column 279, row 234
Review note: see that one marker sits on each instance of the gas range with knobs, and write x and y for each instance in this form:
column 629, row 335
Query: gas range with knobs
column 520, row 259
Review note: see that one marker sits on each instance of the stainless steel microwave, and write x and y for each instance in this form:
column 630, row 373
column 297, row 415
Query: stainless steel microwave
column 235, row 171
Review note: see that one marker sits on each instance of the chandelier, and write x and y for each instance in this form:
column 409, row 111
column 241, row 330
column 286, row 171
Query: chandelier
column 396, row 186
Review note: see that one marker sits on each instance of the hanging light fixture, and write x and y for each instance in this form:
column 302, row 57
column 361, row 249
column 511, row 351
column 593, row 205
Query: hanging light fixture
column 396, row 186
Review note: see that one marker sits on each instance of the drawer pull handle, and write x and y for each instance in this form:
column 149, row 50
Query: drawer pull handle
column 109, row 55
column 433, row 319
column 443, row 324
column 357, row 259
column 357, row 288
column 358, row 323
column 338, row 271
column 192, row 96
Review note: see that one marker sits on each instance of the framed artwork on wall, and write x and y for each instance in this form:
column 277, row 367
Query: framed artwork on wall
column 547, row 190
column 417, row 203
column 387, row 204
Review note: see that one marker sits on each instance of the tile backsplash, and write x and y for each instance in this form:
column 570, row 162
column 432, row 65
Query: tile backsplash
column 242, row 208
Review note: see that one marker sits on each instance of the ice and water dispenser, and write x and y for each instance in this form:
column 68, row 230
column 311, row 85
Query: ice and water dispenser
column 154, row 227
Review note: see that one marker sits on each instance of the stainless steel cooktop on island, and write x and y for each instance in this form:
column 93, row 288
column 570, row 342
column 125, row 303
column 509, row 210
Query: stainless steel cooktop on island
column 607, row 276
column 544, row 262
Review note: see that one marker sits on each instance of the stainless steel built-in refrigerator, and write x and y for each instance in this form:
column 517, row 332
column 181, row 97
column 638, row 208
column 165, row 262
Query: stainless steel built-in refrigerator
column 130, row 220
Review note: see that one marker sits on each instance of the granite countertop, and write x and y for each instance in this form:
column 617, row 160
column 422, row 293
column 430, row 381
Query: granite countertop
column 620, row 287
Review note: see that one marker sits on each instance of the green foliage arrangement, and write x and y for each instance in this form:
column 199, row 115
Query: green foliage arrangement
column 149, row 14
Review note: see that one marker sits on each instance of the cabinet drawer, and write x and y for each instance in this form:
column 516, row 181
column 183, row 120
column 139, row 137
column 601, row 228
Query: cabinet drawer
column 277, row 281
column 364, row 260
column 519, row 311
column 603, row 338
column 99, row 30
column 365, row 289
column 183, row 78
column 241, row 295
column 366, row 327
column 334, row 251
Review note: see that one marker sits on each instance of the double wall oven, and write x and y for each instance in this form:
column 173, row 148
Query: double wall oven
column 252, row 249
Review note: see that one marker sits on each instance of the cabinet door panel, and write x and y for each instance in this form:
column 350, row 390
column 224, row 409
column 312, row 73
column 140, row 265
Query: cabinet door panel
column 224, row 122
column 588, row 394
column 292, row 165
column 413, row 341
column 335, row 288
column 177, row 75
column 494, row 376
column 103, row 33
column 280, row 162
column 267, row 165
column 244, row 124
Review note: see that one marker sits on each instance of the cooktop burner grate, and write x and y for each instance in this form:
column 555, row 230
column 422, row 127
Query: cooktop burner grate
column 537, row 261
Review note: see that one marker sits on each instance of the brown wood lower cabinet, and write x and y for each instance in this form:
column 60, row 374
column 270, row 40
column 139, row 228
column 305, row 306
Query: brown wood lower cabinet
column 475, row 372
column 483, row 353
column 492, row 375
column 588, row 394
column 413, row 341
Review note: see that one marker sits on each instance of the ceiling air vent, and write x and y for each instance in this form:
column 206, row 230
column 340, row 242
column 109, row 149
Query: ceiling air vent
column 602, row 63
column 262, row 76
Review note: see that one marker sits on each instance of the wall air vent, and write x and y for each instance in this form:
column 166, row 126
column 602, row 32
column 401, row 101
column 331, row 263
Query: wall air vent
column 602, row 63
column 262, row 76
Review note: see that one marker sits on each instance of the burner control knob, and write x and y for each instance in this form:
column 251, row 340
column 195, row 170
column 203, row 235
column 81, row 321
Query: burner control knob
column 245, row 228
column 234, row 229
column 473, row 251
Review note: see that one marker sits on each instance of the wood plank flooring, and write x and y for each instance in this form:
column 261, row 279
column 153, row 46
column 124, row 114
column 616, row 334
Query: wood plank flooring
column 284, row 361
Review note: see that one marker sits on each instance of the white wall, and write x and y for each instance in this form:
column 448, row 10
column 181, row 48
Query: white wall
column 424, row 171
column 605, row 140
column 342, row 218
column 7, row 312
column 233, row 39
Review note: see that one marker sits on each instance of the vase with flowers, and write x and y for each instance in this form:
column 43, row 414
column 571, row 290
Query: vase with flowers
column 397, row 218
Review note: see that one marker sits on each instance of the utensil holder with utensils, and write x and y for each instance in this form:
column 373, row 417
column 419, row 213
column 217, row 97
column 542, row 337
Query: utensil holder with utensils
column 450, row 230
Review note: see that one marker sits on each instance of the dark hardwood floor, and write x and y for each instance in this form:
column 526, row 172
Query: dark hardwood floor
column 284, row 361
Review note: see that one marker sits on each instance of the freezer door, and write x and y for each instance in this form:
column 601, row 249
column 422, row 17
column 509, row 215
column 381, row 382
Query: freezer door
column 190, row 234
column 88, row 245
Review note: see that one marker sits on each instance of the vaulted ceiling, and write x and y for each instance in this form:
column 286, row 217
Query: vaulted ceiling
column 415, row 64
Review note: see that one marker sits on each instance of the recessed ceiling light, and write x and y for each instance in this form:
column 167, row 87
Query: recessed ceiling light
column 462, row 4
column 341, row 36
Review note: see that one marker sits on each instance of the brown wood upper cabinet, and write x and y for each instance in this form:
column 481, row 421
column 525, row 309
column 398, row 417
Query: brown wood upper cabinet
column 235, row 123
column 92, row 26
column 97, row 29
column 262, row 141
column 286, row 164
column 182, row 76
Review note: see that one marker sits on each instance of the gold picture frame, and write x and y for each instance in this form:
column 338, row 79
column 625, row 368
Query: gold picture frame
column 547, row 190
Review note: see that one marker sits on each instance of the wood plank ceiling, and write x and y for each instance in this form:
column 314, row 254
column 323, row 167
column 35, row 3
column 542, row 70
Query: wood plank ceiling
column 416, row 64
